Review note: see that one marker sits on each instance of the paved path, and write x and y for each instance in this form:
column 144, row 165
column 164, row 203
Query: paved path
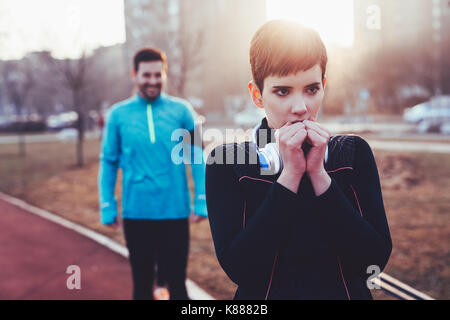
column 410, row 146
column 36, row 248
column 388, row 130
column 45, row 137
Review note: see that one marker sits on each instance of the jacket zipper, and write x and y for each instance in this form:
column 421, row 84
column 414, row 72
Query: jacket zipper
column 151, row 125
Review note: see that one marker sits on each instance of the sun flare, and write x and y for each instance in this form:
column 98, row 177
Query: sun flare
column 333, row 19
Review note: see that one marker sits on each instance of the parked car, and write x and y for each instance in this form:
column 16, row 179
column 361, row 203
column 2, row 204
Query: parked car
column 28, row 123
column 62, row 121
column 445, row 128
column 430, row 115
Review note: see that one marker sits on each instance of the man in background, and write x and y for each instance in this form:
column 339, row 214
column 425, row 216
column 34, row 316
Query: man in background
column 156, row 204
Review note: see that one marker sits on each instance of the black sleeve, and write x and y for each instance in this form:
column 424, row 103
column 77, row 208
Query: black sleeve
column 361, row 238
column 246, row 254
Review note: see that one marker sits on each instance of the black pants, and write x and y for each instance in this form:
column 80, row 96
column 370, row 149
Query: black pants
column 168, row 240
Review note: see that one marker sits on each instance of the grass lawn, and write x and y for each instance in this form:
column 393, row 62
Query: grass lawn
column 416, row 191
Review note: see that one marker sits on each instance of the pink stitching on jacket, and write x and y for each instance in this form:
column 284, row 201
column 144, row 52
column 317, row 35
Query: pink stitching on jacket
column 343, row 279
column 357, row 201
column 344, row 168
column 254, row 179
column 339, row 261
column 271, row 276
column 276, row 256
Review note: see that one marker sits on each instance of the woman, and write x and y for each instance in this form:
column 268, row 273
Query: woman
column 311, row 230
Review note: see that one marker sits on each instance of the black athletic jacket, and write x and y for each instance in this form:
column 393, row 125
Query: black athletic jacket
column 276, row 244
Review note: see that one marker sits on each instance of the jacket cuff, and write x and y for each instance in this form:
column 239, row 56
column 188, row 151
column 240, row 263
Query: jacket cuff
column 200, row 205
column 331, row 195
column 108, row 213
column 334, row 198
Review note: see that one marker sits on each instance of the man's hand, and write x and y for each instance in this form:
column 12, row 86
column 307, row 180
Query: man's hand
column 194, row 218
column 117, row 224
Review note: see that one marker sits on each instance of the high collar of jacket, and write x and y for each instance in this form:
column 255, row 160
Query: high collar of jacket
column 265, row 134
column 145, row 102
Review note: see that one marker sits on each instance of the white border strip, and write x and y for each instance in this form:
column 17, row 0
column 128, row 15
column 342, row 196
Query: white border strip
column 405, row 287
column 195, row 292
column 391, row 289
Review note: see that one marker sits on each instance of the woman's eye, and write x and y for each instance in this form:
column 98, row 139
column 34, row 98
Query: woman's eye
column 313, row 90
column 282, row 92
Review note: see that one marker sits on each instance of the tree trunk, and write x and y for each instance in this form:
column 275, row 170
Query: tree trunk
column 80, row 140
column 80, row 162
column 22, row 127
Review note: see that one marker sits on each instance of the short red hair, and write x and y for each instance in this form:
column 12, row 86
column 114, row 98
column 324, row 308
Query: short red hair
column 281, row 48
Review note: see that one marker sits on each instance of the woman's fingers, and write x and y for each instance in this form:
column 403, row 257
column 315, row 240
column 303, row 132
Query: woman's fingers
column 289, row 130
column 318, row 125
column 318, row 128
column 281, row 131
column 315, row 138
column 297, row 139
column 293, row 137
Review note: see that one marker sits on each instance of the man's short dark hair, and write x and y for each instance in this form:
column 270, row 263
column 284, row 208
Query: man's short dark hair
column 147, row 55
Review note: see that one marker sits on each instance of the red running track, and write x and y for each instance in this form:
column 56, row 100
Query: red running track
column 35, row 254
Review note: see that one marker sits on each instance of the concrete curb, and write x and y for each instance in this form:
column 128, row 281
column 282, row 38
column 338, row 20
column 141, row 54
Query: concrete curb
column 195, row 292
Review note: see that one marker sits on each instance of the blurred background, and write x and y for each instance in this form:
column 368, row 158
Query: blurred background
column 63, row 63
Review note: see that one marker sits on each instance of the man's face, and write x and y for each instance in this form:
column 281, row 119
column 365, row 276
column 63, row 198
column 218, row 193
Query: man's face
column 293, row 98
column 150, row 79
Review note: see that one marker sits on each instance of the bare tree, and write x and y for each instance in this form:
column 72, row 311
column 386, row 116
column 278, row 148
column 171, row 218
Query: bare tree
column 187, row 42
column 42, row 97
column 74, row 78
column 18, row 81
column 74, row 72
column 386, row 72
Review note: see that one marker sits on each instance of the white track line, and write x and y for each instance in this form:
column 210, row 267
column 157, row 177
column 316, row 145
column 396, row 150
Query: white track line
column 195, row 292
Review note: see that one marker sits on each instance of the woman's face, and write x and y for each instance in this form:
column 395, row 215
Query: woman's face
column 296, row 97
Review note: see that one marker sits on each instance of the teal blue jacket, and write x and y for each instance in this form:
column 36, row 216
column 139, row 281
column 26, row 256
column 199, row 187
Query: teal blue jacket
column 142, row 139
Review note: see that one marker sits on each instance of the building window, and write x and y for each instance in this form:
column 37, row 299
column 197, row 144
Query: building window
column 174, row 7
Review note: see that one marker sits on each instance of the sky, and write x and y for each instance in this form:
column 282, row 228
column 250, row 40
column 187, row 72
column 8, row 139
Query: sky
column 333, row 19
column 66, row 27
column 63, row 26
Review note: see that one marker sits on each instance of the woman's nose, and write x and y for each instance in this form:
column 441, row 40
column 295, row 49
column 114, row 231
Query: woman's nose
column 299, row 107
